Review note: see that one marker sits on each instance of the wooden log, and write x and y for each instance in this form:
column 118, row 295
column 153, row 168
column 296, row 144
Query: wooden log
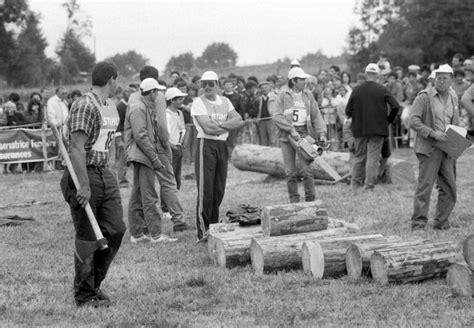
column 413, row 263
column 468, row 251
column 229, row 231
column 284, row 252
column 312, row 258
column 358, row 255
column 269, row 160
column 294, row 218
column 460, row 279
column 334, row 253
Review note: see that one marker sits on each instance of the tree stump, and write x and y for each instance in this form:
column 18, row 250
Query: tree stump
column 294, row 218
column 410, row 264
column 358, row 255
column 460, row 279
column 468, row 251
column 269, row 160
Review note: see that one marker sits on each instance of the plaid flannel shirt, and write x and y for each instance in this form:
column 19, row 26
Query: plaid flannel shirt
column 85, row 116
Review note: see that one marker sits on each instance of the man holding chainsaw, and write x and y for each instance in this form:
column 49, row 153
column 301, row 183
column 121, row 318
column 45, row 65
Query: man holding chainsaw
column 297, row 116
column 92, row 123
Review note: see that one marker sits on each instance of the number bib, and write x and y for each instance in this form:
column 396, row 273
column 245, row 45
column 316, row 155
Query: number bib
column 109, row 122
column 299, row 114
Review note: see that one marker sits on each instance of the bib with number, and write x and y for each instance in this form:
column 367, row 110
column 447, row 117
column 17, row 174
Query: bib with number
column 109, row 122
column 299, row 114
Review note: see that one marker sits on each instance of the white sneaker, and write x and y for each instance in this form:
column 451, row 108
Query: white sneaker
column 166, row 215
column 141, row 239
column 163, row 239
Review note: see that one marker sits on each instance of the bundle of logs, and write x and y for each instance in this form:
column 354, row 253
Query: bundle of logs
column 302, row 236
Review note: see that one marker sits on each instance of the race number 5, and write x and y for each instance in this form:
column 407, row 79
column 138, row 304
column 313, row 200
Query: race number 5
column 295, row 115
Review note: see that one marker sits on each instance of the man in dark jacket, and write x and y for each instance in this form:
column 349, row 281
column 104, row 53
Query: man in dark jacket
column 367, row 106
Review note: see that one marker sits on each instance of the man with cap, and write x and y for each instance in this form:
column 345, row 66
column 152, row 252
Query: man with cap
column 266, row 103
column 296, row 116
column 142, row 139
column 176, row 128
column 214, row 116
column 367, row 107
column 92, row 123
column 168, row 190
column 433, row 109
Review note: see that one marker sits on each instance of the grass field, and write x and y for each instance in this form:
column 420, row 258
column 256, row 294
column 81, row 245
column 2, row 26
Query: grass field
column 175, row 285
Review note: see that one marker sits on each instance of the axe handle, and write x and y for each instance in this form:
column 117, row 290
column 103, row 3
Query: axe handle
column 93, row 221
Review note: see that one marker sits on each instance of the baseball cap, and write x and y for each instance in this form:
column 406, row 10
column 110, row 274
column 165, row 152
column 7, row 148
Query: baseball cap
column 413, row 68
column 173, row 93
column 150, row 84
column 263, row 83
column 209, row 76
column 297, row 72
column 445, row 69
column 372, row 68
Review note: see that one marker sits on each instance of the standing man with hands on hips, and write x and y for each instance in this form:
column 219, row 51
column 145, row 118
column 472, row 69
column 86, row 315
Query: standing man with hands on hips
column 214, row 116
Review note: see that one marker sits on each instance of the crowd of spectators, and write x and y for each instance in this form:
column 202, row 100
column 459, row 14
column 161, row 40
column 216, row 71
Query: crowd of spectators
column 253, row 98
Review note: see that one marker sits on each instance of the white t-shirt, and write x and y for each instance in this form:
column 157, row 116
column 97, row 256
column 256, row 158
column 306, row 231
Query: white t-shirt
column 216, row 110
column 176, row 127
column 299, row 110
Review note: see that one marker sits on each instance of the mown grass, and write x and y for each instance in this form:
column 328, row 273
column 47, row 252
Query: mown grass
column 176, row 285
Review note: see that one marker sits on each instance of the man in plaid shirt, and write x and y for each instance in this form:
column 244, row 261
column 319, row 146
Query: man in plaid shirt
column 92, row 122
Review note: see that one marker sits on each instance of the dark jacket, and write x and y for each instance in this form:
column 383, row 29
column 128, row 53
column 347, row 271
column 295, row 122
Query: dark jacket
column 372, row 108
column 236, row 100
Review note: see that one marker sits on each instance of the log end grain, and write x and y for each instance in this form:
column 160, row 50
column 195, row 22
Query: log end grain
column 354, row 262
column 460, row 280
column 378, row 267
column 220, row 256
column 256, row 257
column 312, row 257
column 468, row 251
column 211, row 249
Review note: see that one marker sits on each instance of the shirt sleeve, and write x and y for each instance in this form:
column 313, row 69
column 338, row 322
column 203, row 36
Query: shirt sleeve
column 198, row 108
column 82, row 117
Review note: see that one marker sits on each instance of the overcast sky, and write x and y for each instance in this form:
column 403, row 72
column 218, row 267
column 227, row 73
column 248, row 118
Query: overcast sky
column 259, row 31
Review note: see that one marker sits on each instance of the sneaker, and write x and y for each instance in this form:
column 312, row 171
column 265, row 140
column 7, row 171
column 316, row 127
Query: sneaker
column 141, row 239
column 166, row 215
column 181, row 227
column 163, row 239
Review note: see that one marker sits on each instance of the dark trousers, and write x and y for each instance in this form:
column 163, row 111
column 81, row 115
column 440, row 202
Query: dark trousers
column 211, row 175
column 177, row 155
column 106, row 203
column 439, row 168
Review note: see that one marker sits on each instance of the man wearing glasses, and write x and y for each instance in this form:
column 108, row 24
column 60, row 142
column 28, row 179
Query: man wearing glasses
column 433, row 109
column 214, row 116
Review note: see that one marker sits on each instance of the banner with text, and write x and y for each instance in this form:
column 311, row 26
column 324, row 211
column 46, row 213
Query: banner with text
column 26, row 145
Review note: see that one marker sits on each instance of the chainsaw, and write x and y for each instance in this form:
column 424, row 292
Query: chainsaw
column 307, row 147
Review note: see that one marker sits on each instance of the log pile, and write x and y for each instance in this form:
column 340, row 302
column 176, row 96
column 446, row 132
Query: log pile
column 269, row 160
column 302, row 236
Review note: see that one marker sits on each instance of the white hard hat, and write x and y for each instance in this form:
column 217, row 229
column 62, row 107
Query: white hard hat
column 445, row 69
column 150, row 84
column 173, row 93
column 297, row 72
column 372, row 68
column 209, row 76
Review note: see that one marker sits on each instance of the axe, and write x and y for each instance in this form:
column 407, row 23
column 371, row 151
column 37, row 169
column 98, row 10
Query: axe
column 101, row 241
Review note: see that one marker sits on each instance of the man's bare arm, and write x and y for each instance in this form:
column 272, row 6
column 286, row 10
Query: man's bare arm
column 78, row 159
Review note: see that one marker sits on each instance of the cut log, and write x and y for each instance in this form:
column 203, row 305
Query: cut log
column 468, row 251
column 229, row 231
column 334, row 253
column 358, row 255
column 460, row 279
column 269, row 160
column 294, row 218
column 284, row 252
column 413, row 263
column 233, row 252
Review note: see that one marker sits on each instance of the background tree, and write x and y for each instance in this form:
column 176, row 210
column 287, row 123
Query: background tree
column 74, row 55
column 217, row 55
column 27, row 67
column 128, row 63
column 184, row 62
column 12, row 15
